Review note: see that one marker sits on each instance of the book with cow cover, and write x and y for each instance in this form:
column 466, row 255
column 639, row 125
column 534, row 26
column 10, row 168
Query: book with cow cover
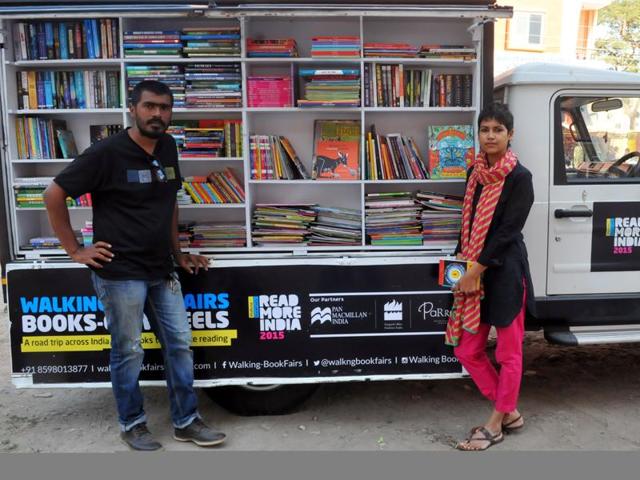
column 336, row 150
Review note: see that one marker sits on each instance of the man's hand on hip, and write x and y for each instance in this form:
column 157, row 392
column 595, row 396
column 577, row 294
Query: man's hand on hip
column 192, row 263
column 93, row 255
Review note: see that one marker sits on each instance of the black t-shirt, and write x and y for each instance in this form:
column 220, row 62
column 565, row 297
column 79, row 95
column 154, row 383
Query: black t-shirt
column 133, row 203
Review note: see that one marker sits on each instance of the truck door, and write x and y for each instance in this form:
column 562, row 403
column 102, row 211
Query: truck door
column 594, row 194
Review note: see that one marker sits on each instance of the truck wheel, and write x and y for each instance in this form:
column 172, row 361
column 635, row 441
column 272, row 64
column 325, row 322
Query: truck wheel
column 250, row 400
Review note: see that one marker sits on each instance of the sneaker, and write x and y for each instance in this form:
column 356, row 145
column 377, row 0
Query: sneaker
column 199, row 433
column 140, row 438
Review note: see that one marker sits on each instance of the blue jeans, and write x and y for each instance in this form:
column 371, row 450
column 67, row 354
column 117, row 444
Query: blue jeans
column 124, row 302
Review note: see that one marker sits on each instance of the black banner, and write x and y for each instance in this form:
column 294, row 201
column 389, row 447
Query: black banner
column 615, row 243
column 287, row 321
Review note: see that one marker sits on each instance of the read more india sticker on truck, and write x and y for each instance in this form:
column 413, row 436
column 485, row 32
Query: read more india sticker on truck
column 615, row 242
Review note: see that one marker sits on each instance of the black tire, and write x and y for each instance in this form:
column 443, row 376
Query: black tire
column 269, row 400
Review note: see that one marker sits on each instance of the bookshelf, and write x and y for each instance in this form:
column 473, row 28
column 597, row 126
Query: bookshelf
column 296, row 123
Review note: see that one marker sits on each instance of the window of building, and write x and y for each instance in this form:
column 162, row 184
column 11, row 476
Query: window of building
column 526, row 31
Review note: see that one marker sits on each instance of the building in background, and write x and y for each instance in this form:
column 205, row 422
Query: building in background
column 561, row 31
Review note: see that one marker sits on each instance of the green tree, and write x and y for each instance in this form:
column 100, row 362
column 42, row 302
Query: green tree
column 621, row 47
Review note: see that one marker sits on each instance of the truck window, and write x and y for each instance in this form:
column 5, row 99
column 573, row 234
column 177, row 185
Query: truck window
column 597, row 140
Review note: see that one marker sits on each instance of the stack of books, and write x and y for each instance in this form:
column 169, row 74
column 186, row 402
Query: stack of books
column 213, row 85
column 81, row 201
column 29, row 196
column 441, row 217
column 402, row 50
column 392, row 157
column 218, row 235
column 330, row 87
column 217, row 187
column 228, row 184
column 392, row 219
column 198, row 139
column 185, row 233
column 232, row 138
column 211, row 41
column 37, row 138
column 29, row 191
column 336, row 226
column 182, row 197
column 156, row 44
column 201, row 191
column 176, row 130
column 417, row 87
column 285, row 47
column 52, row 89
column 89, row 38
column 272, row 157
column 383, row 85
column 452, row 90
column 270, row 91
column 202, row 142
column 171, row 75
column 44, row 243
column 448, row 52
column 335, row 47
column 287, row 224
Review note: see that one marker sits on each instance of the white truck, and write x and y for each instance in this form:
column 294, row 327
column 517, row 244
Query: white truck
column 578, row 131
column 269, row 326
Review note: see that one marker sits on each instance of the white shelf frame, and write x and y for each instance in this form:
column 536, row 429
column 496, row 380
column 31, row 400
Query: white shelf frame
column 248, row 115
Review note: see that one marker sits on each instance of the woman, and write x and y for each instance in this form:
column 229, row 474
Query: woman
column 496, row 290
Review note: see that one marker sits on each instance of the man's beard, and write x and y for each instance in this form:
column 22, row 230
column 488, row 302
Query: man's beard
column 149, row 133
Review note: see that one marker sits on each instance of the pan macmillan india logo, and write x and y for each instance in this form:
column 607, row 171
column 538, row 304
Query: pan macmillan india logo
column 625, row 232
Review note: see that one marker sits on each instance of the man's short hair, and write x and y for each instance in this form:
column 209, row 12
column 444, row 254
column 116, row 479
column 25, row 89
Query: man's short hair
column 152, row 86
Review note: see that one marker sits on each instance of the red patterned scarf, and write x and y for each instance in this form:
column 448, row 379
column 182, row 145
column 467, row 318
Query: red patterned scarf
column 466, row 307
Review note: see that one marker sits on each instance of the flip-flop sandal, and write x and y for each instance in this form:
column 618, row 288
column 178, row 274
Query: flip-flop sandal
column 486, row 437
column 509, row 428
column 506, row 427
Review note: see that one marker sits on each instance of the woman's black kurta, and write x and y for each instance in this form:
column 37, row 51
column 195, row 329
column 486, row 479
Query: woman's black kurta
column 504, row 253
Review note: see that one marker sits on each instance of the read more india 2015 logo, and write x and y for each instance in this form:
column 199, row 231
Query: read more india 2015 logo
column 277, row 314
column 625, row 232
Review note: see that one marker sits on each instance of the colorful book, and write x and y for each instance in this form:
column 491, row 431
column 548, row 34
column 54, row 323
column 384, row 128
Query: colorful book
column 451, row 271
column 451, row 150
column 336, row 150
column 67, row 143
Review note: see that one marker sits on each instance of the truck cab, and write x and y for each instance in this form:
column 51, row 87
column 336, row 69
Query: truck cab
column 578, row 131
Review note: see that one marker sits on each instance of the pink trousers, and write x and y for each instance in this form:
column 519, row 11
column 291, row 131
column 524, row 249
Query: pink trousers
column 503, row 388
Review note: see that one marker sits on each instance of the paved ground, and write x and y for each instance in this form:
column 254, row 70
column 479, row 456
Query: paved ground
column 573, row 399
